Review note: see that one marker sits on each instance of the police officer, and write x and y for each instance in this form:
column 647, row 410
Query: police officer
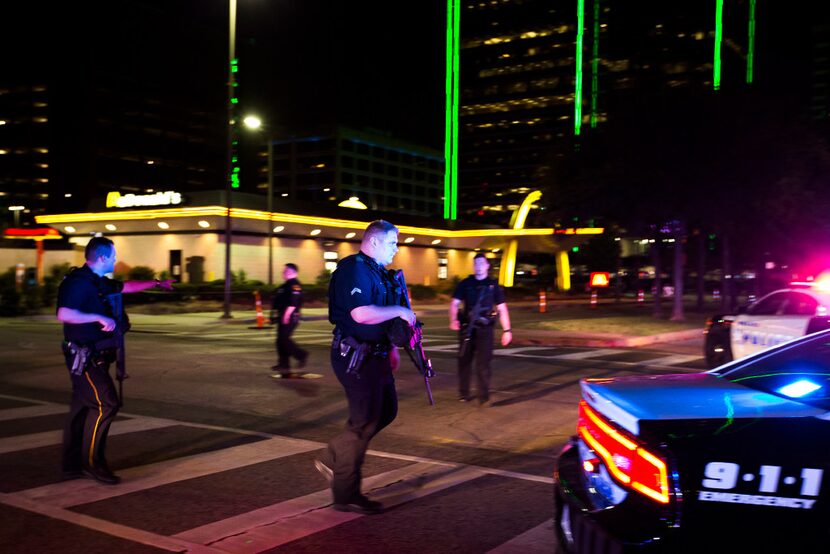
column 89, row 326
column 288, row 299
column 480, row 295
column 362, row 298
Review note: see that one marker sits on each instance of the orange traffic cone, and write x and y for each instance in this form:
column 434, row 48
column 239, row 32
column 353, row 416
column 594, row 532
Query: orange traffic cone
column 594, row 299
column 543, row 303
column 260, row 317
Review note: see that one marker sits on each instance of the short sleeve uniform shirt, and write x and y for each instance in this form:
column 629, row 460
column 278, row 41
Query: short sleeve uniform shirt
column 86, row 292
column 358, row 281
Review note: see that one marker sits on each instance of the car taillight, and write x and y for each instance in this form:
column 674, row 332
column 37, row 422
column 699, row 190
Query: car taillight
column 628, row 461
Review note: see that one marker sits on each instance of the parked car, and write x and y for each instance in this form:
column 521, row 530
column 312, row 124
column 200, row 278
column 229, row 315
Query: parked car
column 778, row 317
column 728, row 460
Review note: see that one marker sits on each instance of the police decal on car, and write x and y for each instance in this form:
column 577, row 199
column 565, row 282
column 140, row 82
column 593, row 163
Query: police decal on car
column 725, row 476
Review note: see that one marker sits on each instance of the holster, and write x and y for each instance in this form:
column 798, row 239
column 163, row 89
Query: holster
column 77, row 357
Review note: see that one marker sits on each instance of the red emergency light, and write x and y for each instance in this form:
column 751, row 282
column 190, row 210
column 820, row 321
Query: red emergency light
column 600, row 278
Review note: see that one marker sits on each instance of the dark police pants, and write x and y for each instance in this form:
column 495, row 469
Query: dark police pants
column 480, row 348
column 94, row 406
column 373, row 404
column 286, row 347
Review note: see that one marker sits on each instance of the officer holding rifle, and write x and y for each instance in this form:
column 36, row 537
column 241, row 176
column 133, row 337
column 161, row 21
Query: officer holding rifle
column 89, row 305
column 483, row 300
column 362, row 303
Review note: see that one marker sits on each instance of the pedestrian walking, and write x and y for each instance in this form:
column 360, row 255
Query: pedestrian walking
column 362, row 299
column 90, row 308
column 483, row 300
column 288, row 301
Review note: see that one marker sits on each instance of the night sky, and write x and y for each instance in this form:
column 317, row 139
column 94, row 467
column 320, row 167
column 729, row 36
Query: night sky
column 367, row 63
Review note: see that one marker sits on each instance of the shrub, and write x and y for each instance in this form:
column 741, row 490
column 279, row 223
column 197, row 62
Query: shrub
column 141, row 273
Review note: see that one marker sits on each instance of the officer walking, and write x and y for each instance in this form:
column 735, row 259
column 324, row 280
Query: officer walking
column 85, row 306
column 362, row 298
column 288, row 299
column 480, row 295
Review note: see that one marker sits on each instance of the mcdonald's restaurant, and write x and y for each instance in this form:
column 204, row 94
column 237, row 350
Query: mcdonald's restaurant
column 196, row 237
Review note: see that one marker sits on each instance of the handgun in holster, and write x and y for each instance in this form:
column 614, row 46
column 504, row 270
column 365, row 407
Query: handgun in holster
column 357, row 351
column 79, row 356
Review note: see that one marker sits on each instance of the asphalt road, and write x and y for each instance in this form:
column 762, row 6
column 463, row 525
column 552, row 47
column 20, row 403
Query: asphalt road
column 216, row 455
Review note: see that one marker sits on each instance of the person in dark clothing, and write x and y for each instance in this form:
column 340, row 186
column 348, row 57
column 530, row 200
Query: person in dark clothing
column 362, row 299
column 485, row 297
column 89, row 325
column 288, row 300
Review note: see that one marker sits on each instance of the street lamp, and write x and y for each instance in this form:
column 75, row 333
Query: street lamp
column 231, row 123
column 254, row 123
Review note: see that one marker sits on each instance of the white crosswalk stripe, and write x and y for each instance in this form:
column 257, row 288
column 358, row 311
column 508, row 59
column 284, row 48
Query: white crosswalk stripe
column 251, row 532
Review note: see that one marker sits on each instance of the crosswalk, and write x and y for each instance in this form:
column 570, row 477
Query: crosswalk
column 223, row 489
column 445, row 344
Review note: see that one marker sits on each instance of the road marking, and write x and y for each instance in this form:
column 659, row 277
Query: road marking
column 587, row 354
column 84, row 491
column 115, row 529
column 278, row 524
column 48, row 438
column 537, row 540
column 33, row 411
column 673, row 360
column 514, row 351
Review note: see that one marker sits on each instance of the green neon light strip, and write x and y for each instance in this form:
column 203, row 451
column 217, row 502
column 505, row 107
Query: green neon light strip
column 448, row 115
column 451, row 116
column 580, row 23
column 456, row 69
column 716, row 66
column 595, row 67
column 750, row 47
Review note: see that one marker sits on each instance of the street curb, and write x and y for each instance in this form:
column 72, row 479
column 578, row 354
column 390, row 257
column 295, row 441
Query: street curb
column 553, row 338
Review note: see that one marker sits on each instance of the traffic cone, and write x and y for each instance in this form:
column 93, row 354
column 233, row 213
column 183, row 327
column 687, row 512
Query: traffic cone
column 542, row 301
column 641, row 296
column 260, row 317
column 593, row 299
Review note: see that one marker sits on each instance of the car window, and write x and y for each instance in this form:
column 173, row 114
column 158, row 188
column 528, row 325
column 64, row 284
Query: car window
column 805, row 364
column 799, row 303
column 768, row 305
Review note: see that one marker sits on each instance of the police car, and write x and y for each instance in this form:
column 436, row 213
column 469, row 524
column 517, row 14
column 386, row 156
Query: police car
column 774, row 319
column 728, row 460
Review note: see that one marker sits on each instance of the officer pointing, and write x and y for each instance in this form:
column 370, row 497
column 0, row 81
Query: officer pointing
column 84, row 307
column 361, row 299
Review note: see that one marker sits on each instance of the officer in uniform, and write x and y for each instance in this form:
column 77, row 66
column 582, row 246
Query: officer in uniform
column 362, row 299
column 480, row 295
column 89, row 326
column 288, row 299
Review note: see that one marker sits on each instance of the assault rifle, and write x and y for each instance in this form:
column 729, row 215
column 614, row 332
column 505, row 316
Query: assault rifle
column 473, row 317
column 410, row 337
column 122, row 325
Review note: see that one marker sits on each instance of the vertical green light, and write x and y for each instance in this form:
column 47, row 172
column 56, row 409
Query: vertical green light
column 595, row 67
column 716, row 65
column 451, row 112
column 580, row 23
column 750, row 46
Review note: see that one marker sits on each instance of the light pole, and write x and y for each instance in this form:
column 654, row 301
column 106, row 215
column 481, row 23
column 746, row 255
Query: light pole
column 254, row 123
column 228, row 176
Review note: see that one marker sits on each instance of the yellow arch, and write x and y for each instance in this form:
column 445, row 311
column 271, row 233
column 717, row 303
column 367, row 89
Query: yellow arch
column 517, row 221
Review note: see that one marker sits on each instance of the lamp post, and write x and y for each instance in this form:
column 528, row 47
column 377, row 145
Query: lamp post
column 254, row 123
column 231, row 124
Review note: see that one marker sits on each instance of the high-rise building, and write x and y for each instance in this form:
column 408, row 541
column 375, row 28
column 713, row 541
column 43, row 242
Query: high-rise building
column 382, row 172
column 527, row 65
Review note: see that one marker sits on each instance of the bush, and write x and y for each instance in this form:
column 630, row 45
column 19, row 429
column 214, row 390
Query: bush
column 422, row 292
column 141, row 273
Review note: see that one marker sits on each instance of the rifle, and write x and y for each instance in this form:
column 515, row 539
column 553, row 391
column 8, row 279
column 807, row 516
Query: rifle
column 122, row 325
column 410, row 336
column 467, row 329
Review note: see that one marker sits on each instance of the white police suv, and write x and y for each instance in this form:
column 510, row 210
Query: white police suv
column 778, row 317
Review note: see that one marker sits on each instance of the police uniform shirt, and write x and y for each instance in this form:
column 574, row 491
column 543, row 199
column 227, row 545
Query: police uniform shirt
column 86, row 292
column 358, row 281
column 288, row 294
column 469, row 289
